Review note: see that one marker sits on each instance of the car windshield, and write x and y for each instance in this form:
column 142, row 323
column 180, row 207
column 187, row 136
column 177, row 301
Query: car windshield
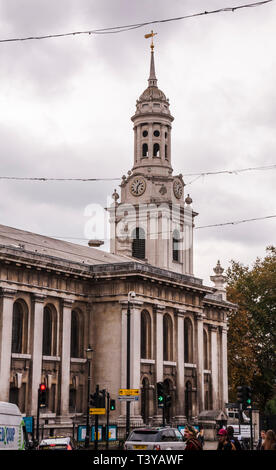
column 144, row 436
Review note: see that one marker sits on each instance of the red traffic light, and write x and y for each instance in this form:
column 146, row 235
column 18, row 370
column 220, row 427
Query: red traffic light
column 42, row 387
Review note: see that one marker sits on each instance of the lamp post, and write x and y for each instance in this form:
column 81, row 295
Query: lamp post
column 131, row 295
column 89, row 351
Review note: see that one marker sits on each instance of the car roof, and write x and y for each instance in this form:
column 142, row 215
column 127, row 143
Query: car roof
column 55, row 440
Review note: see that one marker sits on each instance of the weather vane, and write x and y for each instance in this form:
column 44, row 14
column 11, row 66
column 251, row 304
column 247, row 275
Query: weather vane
column 150, row 35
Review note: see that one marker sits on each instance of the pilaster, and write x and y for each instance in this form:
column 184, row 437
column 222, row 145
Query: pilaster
column 38, row 302
column 8, row 297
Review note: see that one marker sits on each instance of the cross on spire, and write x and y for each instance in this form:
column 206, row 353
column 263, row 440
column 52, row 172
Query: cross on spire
column 152, row 78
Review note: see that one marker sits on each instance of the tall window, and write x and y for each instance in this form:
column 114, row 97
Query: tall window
column 188, row 341
column 205, row 348
column 49, row 332
column 145, row 335
column 145, row 150
column 188, row 400
column 156, row 150
column 17, row 327
column 76, row 334
column 167, row 338
column 138, row 243
column 175, row 240
column 145, row 400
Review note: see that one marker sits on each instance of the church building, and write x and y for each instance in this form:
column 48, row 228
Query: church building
column 59, row 299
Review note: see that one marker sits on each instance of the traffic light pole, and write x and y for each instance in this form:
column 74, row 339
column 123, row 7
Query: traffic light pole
column 128, row 370
column 96, row 421
column 86, row 444
column 107, row 421
column 37, row 416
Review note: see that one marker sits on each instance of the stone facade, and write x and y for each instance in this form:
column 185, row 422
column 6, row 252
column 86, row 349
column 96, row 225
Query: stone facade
column 58, row 298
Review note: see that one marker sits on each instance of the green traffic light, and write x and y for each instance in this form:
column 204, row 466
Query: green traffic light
column 160, row 398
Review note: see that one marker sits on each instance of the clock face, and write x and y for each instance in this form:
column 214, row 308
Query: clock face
column 138, row 186
column 177, row 188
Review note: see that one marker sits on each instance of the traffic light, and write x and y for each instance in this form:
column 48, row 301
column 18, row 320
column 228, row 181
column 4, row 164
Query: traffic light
column 244, row 396
column 248, row 396
column 94, row 400
column 102, row 398
column 160, row 394
column 112, row 405
column 42, row 396
column 168, row 401
column 240, row 394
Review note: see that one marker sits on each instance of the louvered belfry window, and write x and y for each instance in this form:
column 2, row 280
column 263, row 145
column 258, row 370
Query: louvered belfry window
column 138, row 243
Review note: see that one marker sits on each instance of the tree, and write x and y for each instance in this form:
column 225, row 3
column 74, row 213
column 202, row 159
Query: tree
column 252, row 328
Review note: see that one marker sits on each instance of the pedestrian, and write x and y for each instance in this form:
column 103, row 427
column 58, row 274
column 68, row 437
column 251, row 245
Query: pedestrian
column 224, row 441
column 232, row 438
column 270, row 440
column 200, row 436
column 192, row 442
column 260, row 445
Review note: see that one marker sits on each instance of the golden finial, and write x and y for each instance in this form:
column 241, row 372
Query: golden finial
column 150, row 35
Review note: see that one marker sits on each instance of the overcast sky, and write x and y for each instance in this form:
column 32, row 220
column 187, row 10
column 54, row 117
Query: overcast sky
column 66, row 103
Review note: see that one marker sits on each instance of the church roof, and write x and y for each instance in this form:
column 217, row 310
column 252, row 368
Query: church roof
column 41, row 245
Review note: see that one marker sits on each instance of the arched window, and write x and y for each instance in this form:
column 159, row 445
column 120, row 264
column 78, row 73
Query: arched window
column 188, row 341
column 76, row 334
column 156, row 150
column 176, row 247
column 188, row 400
column 17, row 328
column 145, row 400
column 145, row 150
column 145, row 335
column 166, row 151
column 167, row 338
column 138, row 243
column 49, row 331
column 168, row 388
column 205, row 349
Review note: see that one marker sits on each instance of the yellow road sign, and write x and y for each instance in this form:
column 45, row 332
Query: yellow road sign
column 97, row 411
column 129, row 391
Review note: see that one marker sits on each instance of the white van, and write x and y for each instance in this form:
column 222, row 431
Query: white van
column 12, row 428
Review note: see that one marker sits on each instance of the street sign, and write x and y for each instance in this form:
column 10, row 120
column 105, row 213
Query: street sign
column 97, row 411
column 129, row 391
column 128, row 398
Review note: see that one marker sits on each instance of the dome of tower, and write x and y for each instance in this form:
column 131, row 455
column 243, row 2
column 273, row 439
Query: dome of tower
column 153, row 93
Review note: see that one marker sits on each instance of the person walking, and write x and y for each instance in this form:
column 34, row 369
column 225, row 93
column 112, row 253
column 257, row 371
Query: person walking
column 260, row 445
column 224, row 441
column 232, row 438
column 200, row 436
column 192, row 442
column 270, row 440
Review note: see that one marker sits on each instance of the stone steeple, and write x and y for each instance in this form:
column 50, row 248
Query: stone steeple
column 149, row 222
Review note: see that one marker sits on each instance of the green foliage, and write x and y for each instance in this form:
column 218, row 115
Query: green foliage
column 252, row 328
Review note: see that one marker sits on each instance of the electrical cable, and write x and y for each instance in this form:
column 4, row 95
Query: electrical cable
column 198, row 175
column 120, row 29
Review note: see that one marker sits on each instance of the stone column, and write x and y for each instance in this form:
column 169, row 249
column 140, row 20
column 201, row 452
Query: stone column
column 200, row 374
column 36, row 349
column 224, row 365
column 65, row 356
column 180, row 379
column 214, row 366
column 6, row 342
column 135, row 355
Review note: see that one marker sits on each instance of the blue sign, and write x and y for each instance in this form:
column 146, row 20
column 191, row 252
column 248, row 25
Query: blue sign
column 82, row 433
column 29, row 423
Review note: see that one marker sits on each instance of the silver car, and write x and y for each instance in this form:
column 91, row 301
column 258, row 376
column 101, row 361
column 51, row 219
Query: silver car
column 155, row 439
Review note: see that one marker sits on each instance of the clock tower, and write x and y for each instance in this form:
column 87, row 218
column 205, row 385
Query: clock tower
column 153, row 222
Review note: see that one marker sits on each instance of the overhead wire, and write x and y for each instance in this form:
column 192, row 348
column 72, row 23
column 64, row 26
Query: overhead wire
column 198, row 175
column 120, row 29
